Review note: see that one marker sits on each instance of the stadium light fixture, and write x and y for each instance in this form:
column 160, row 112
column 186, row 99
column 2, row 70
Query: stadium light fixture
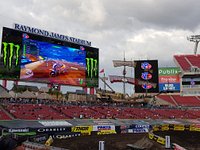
column 195, row 39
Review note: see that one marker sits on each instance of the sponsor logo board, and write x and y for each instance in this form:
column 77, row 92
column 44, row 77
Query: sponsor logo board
column 168, row 71
column 169, row 79
column 66, row 136
column 169, row 86
column 43, row 130
column 103, row 127
column 18, row 130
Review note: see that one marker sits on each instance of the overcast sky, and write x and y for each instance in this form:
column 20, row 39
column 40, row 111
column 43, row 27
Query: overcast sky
column 144, row 29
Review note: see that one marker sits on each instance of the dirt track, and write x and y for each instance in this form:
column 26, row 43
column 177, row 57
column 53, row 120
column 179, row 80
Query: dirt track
column 189, row 140
column 41, row 70
column 112, row 142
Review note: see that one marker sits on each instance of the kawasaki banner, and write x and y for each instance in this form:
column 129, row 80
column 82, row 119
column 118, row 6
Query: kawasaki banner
column 169, row 79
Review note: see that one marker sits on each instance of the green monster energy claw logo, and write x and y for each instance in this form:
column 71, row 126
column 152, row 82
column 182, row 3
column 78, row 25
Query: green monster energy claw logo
column 91, row 67
column 10, row 51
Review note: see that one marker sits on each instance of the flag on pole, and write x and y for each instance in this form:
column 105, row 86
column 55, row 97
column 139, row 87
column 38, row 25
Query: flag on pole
column 102, row 71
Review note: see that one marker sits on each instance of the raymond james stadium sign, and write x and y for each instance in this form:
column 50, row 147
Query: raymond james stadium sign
column 50, row 34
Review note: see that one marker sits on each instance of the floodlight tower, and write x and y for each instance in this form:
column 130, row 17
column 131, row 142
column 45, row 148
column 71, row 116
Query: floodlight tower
column 195, row 39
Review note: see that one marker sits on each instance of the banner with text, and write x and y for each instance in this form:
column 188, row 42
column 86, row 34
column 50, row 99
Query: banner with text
column 169, row 79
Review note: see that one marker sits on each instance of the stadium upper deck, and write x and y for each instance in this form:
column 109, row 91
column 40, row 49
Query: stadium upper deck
column 186, row 62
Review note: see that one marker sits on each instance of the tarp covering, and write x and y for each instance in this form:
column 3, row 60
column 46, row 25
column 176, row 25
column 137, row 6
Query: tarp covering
column 5, row 94
column 43, row 96
column 119, row 63
column 114, row 78
column 26, row 94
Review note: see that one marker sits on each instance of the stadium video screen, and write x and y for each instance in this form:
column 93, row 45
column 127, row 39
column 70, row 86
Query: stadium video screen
column 146, row 76
column 190, row 85
column 191, row 81
column 29, row 57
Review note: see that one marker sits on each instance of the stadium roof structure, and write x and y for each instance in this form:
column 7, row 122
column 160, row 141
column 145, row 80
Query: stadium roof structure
column 44, row 89
column 26, row 94
column 24, row 88
column 44, row 96
column 5, row 94
column 2, row 89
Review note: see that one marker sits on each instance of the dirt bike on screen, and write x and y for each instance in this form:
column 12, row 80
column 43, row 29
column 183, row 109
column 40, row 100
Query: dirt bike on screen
column 53, row 73
column 57, row 69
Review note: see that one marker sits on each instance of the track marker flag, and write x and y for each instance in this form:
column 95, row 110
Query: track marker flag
column 102, row 71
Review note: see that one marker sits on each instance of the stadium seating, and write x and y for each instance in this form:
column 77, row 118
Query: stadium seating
column 194, row 60
column 186, row 61
column 46, row 112
column 167, row 98
column 178, row 100
column 186, row 100
column 75, row 111
column 33, row 112
column 195, row 113
column 4, row 116
column 182, row 62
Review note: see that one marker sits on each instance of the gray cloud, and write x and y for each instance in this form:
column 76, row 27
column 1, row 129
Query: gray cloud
column 165, row 13
column 145, row 29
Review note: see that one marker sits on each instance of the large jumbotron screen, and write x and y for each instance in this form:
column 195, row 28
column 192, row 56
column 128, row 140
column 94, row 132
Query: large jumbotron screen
column 29, row 57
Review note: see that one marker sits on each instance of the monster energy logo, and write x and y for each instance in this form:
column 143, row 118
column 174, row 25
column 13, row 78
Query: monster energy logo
column 91, row 67
column 10, row 51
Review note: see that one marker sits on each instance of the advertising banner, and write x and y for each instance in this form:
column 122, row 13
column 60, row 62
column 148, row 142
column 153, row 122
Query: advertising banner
column 53, row 130
column 103, row 127
column 11, row 130
column 65, row 135
column 169, row 86
column 169, row 79
column 39, row 138
column 169, row 71
column 103, row 132
column 139, row 130
column 179, row 127
column 139, row 126
column 85, row 130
